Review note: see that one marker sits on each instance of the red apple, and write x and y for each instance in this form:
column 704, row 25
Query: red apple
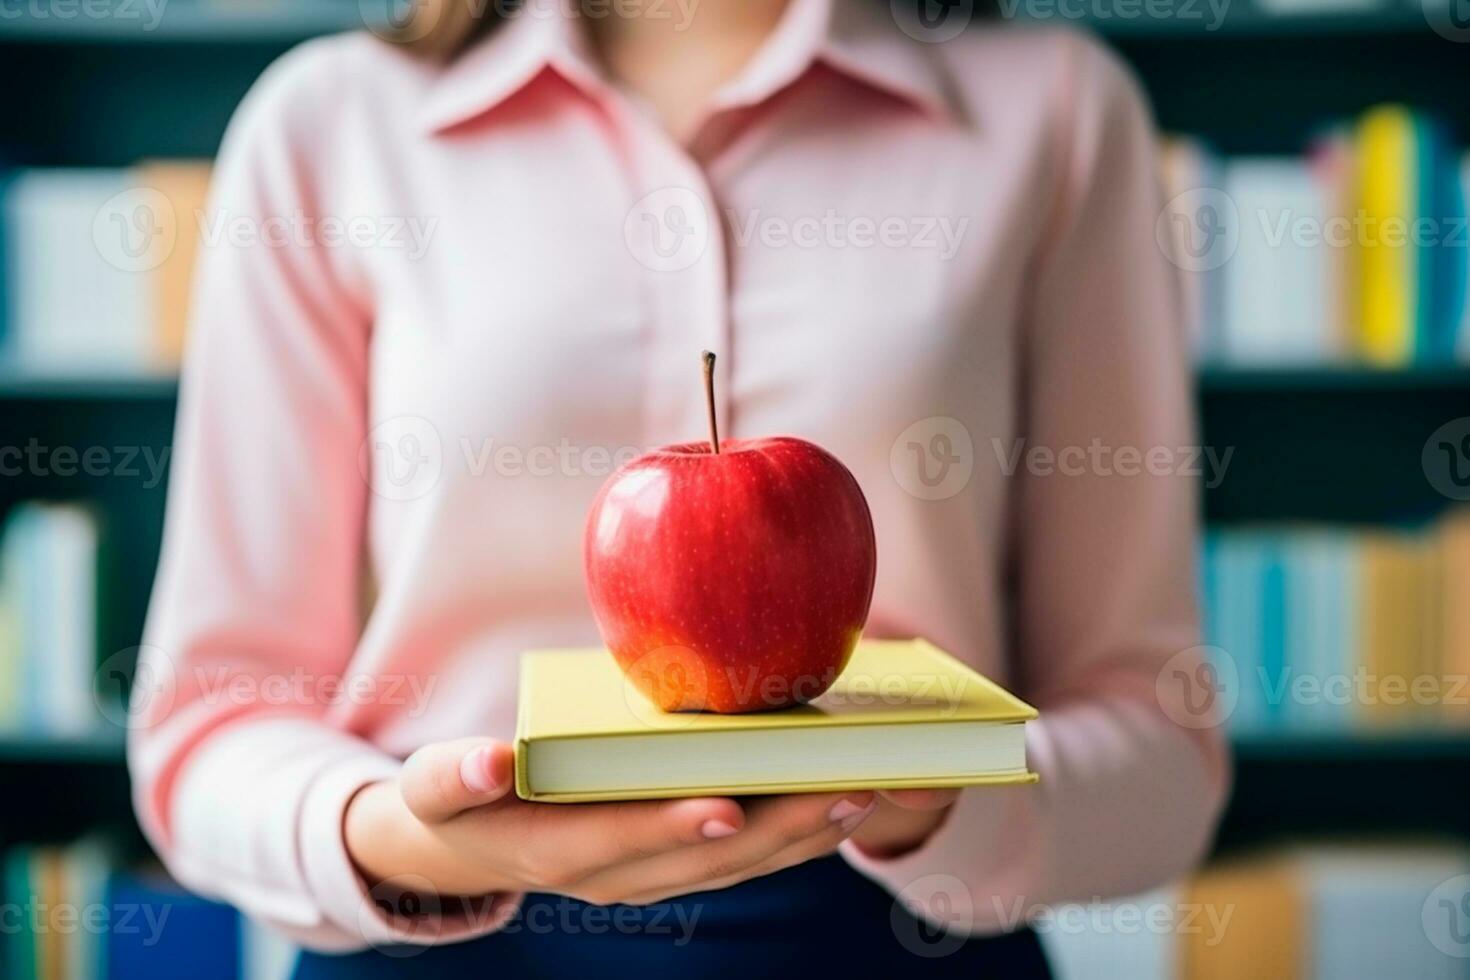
column 731, row 581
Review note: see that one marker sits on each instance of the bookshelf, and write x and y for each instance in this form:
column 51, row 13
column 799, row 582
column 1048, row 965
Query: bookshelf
column 1320, row 444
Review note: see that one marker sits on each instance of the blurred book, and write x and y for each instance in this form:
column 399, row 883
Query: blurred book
column 1131, row 938
column 1369, row 907
column 1462, row 336
column 72, row 309
column 97, row 267
column 1265, row 934
column 1189, row 166
column 49, row 557
column 1276, row 286
column 185, row 184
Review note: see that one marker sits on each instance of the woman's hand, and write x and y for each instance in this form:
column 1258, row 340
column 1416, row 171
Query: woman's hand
column 903, row 820
column 451, row 818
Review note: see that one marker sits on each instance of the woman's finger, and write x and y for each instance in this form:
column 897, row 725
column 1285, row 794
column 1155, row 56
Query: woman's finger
column 818, row 845
column 444, row 779
column 772, row 824
column 558, row 845
column 920, row 799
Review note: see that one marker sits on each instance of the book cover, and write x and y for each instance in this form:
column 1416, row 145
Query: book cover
column 1461, row 341
column 1267, row 934
column 1387, row 264
column 12, row 663
column 185, row 184
column 1275, row 681
column 1370, row 909
column 1105, row 940
column 20, row 943
column 78, row 307
column 1276, row 284
column 1454, row 632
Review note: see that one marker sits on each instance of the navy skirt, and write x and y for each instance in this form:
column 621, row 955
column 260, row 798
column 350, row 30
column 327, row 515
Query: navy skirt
column 819, row 919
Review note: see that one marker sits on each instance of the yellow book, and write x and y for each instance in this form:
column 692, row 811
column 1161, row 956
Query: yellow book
column 51, row 893
column 1375, row 626
column 185, row 183
column 1400, row 627
column 1427, row 684
column 1267, row 935
column 1387, row 258
column 1454, row 611
column 902, row 715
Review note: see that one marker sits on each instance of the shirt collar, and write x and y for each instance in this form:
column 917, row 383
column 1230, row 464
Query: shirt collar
column 856, row 38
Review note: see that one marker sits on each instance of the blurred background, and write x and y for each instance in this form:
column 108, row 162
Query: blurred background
column 1316, row 177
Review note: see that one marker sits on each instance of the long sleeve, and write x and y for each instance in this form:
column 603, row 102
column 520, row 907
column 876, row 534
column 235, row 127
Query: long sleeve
column 1103, row 572
column 241, row 766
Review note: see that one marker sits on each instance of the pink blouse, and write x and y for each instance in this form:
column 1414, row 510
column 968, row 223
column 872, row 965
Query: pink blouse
column 440, row 304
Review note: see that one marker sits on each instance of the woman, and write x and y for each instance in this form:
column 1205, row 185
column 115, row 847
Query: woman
column 505, row 242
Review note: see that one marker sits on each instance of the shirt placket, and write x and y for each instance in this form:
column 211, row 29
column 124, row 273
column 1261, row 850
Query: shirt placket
column 676, row 232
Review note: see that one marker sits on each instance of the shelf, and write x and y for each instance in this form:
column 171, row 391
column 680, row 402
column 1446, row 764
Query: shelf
column 1211, row 381
column 1205, row 19
column 18, row 386
column 1448, row 744
column 217, row 21
column 1365, row 379
column 103, row 747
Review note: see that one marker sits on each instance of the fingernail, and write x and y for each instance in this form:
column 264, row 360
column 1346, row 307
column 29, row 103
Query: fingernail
column 474, row 771
column 715, row 829
column 853, row 822
column 844, row 809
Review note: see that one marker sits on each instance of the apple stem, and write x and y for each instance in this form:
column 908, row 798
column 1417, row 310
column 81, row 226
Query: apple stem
column 708, row 358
